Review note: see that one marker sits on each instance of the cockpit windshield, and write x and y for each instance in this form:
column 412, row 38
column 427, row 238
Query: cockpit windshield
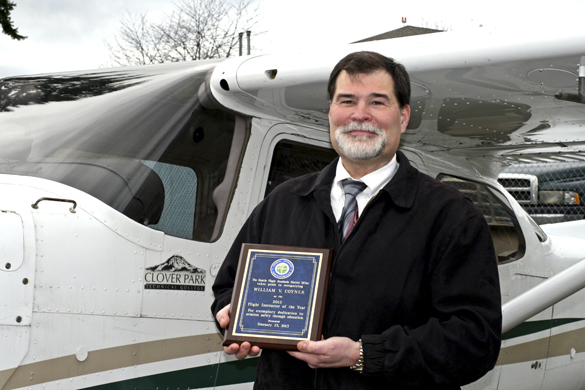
column 137, row 139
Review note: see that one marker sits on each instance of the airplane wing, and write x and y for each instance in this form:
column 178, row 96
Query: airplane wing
column 487, row 96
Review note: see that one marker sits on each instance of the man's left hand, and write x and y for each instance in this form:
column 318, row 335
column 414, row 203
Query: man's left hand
column 333, row 352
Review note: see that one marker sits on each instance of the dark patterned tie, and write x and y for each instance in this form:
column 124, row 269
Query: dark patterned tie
column 349, row 214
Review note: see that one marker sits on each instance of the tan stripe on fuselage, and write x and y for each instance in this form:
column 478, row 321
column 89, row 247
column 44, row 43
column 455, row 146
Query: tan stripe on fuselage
column 155, row 351
column 109, row 359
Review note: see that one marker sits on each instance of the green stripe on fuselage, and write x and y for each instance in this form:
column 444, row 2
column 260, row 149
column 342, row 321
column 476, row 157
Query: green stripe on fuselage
column 531, row 327
column 230, row 373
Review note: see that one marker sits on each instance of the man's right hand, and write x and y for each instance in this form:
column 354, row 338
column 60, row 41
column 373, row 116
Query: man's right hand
column 241, row 351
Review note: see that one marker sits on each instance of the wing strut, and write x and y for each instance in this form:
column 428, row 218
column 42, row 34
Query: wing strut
column 546, row 294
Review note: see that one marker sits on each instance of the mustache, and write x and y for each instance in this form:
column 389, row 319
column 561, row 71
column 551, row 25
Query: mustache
column 353, row 126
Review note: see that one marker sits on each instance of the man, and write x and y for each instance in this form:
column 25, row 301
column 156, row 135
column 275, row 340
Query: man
column 413, row 300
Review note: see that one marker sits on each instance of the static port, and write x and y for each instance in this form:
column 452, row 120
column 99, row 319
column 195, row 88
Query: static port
column 19, row 319
column 25, row 281
column 8, row 266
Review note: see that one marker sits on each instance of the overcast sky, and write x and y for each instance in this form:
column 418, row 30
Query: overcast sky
column 70, row 34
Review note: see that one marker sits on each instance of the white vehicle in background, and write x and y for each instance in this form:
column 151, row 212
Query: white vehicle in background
column 121, row 191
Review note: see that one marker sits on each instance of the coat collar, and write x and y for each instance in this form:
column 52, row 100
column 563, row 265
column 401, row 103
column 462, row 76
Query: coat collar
column 402, row 188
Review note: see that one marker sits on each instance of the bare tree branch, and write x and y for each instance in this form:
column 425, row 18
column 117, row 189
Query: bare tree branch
column 195, row 30
column 435, row 25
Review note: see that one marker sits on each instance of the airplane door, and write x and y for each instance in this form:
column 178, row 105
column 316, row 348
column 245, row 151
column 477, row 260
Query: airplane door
column 522, row 360
column 17, row 266
column 285, row 151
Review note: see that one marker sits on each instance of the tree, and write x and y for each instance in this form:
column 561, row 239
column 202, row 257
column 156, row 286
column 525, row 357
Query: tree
column 434, row 25
column 195, row 30
column 7, row 27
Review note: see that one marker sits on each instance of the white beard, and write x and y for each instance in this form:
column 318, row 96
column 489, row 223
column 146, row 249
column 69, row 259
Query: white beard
column 360, row 147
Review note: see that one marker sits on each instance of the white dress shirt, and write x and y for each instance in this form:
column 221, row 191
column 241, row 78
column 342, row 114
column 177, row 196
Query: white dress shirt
column 375, row 181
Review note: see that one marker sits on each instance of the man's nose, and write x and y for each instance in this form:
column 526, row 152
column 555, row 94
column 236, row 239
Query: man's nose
column 361, row 112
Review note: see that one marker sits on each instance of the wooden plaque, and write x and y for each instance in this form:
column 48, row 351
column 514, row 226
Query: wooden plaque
column 279, row 296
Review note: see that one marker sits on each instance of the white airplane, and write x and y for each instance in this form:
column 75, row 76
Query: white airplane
column 121, row 191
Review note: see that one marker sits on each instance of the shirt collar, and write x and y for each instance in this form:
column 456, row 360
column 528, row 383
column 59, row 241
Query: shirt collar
column 402, row 189
column 374, row 180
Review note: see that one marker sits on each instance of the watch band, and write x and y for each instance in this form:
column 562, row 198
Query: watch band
column 359, row 366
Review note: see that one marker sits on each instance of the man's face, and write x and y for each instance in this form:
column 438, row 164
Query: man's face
column 365, row 118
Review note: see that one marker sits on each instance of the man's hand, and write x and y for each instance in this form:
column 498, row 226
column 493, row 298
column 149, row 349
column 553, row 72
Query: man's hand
column 223, row 316
column 333, row 352
column 241, row 351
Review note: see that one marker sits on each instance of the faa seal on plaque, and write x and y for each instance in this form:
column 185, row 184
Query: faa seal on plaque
column 279, row 296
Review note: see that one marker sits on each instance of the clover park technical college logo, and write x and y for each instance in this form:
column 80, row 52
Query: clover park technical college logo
column 282, row 268
column 175, row 274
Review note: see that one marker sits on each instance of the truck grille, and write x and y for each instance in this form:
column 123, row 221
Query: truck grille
column 482, row 200
column 524, row 188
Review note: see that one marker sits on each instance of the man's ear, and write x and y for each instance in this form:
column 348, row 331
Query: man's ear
column 404, row 118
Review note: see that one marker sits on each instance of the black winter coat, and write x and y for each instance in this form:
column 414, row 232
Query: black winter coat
column 416, row 280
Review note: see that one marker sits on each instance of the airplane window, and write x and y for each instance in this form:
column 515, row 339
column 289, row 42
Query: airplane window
column 291, row 159
column 508, row 239
column 180, row 183
column 138, row 140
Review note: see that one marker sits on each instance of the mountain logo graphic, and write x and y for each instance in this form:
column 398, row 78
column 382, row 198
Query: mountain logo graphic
column 175, row 274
